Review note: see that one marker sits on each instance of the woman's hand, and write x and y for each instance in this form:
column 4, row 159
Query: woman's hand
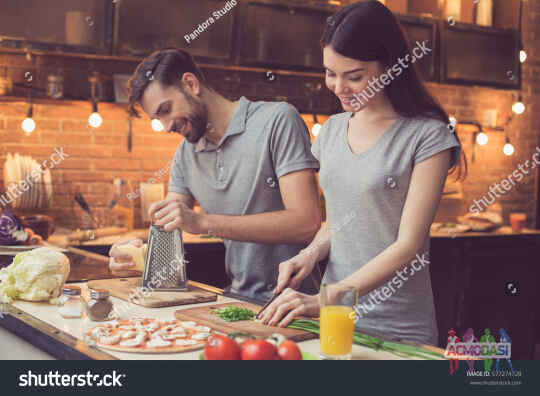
column 291, row 304
column 288, row 306
column 293, row 271
column 174, row 214
column 120, row 263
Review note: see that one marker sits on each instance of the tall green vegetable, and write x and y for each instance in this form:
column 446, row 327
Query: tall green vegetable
column 401, row 350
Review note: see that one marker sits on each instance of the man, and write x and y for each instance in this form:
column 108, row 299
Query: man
column 248, row 165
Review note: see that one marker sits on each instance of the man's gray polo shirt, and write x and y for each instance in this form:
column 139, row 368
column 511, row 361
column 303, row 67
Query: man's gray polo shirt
column 239, row 176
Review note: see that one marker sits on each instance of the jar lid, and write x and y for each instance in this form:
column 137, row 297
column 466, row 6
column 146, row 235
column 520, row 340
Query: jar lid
column 71, row 290
column 99, row 294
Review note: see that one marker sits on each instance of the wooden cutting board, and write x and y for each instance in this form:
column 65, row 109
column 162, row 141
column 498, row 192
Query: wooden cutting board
column 203, row 316
column 123, row 288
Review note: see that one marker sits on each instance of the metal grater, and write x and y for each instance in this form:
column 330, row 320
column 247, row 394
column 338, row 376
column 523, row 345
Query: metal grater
column 164, row 265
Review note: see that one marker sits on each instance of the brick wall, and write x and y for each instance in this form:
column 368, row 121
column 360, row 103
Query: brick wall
column 97, row 156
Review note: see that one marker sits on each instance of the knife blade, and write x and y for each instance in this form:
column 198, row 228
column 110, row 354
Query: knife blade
column 268, row 303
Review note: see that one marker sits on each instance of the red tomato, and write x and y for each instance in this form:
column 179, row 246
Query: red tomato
column 258, row 350
column 220, row 347
column 288, row 350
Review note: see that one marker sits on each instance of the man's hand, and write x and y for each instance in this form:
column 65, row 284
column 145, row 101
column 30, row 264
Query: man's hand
column 174, row 214
column 121, row 264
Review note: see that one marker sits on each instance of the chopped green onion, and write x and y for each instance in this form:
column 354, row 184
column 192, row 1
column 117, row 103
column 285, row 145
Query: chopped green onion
column 234, row 314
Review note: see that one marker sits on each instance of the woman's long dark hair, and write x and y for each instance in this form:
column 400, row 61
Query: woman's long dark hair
column 368, row 31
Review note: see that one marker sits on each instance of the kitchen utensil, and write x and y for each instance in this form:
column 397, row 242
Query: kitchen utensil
column 6, row 86
column 164, row 266
column 85, row 235
column 79, row 28
column 82, row 203
column 129, row 289
column 517, row 220
column 267, row 304
column 205, row 317
column 55, row 86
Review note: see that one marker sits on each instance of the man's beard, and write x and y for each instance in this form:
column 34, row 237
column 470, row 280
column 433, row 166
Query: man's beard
column 198, row 119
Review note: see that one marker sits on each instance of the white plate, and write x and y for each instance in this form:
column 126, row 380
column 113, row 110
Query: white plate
column 33, row 187
column 48, row 187
column 37, row 184
column 9, row 176
column 25, row 194
column 17, row 171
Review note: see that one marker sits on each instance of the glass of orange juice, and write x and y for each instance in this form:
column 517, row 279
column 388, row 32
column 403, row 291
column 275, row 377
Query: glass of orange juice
column 337, row 326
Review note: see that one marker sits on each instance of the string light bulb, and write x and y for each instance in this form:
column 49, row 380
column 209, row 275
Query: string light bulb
column 316, row 128
column 518, row 107
column 482, row 138
column 157, row 125
column 29, row 125
column 522, row 56
column 508, row 148
column 95, row 119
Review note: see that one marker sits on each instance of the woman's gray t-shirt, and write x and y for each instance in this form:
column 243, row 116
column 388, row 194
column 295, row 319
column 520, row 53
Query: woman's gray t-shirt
column 365, row 194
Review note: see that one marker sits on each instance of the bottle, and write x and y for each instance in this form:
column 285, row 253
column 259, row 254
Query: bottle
column 99, row 308
column 70, row 304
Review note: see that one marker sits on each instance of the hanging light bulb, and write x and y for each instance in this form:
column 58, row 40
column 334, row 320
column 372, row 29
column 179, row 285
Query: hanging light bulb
column 316, row 126
column 482, row 138
column 157, row 125
column 518, row 107
column 28, row 125
column 95, row 119
column 316, row 129
column 522, row 56
column 508, row 148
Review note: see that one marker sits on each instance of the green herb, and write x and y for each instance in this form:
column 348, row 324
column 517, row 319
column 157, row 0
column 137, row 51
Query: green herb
column 401, row 350
column 234, row 314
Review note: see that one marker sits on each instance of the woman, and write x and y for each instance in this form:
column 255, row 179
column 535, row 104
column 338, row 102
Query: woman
column 384, row 162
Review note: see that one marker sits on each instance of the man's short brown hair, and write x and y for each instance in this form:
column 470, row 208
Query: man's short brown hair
column 166, row 66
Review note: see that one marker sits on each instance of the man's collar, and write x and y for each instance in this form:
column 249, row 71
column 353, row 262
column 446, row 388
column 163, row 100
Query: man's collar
column 236, row 126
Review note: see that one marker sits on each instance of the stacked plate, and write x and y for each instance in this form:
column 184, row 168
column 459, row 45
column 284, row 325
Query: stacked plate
column 26, row 173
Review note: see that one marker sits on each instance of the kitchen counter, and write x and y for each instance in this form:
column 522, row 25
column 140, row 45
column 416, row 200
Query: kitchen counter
column 40, row 323
column 502, row 231
column 59, row 238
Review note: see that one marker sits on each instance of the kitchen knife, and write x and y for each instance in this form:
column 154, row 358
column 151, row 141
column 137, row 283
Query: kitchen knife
column 84, row 206
column 268, row 303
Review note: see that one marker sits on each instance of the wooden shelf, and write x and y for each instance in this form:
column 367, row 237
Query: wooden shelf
column 139, row 59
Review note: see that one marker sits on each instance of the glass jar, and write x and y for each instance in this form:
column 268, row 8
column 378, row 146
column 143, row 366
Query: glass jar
column 100, row 307
column 70, row 304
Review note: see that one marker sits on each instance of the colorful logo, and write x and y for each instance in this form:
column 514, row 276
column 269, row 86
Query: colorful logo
column 472, row 350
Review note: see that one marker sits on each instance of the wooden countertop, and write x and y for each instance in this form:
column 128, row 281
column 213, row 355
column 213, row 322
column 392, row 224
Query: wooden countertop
column 48, row 327
column 59, row 238
column 502, row 231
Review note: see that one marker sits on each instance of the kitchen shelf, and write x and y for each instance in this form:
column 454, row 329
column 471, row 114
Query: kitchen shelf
column 139, row 59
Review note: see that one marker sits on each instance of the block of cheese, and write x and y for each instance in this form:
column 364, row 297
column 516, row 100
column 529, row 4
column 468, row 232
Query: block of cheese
column 137, row 254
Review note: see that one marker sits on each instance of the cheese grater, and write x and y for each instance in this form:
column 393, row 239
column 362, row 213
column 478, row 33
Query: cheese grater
column 164, row 264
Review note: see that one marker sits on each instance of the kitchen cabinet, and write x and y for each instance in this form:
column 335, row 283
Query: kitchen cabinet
column 423, row 30
column 490, row 282
column 490, row 57
column 68, row 25
column 282, row 35
column 204, row 29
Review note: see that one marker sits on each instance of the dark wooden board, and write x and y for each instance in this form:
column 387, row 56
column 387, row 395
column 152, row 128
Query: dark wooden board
column 203, row 316
column 123, row 288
